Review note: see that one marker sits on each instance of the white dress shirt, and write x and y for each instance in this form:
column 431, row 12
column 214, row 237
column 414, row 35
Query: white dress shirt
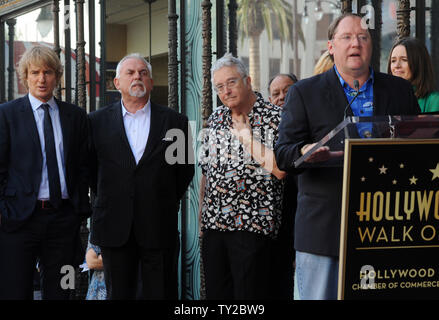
column 137, row 127
column 38, row 111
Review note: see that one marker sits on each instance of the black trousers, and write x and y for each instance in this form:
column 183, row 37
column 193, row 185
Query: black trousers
column 283, row 253
column 158, row 271
column 50, row 235
column 236, row 265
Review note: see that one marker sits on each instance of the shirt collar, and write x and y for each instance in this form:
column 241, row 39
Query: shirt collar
column 344, row 84
column 143, row 110
column 36, row 103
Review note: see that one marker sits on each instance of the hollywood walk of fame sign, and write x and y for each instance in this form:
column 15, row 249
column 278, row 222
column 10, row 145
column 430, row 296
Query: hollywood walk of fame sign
column 389, row 243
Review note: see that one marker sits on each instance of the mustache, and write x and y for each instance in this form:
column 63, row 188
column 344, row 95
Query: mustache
column 137, row 82
column 139, row 92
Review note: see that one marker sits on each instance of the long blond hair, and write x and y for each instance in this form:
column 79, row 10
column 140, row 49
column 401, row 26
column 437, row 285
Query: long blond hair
column 324, row 63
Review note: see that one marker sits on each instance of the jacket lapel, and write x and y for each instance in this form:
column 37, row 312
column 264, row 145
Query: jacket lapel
column 116, row 124
column 29, row 122
column 65, row 120
column 155, row 132
column 336, row 96
column 380, row 99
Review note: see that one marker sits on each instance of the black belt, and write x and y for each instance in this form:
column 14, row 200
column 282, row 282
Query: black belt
column 46, row 205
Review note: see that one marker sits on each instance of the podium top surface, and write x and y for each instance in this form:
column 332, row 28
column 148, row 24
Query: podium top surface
column 424, row 126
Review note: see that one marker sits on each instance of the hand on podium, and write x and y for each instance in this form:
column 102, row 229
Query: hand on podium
column 321, row 154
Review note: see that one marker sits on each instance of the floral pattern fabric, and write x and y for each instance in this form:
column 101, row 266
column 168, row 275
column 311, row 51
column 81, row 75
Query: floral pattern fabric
column 96, row 288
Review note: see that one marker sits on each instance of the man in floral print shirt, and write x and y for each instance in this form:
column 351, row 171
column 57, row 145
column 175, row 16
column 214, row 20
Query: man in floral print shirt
column 241, row 187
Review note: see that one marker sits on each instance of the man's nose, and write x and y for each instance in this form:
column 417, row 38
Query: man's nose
column 282, row 96
column 355, row 41
column 227, row 89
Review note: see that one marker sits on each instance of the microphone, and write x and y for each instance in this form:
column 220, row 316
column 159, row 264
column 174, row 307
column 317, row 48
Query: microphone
column 357, row 88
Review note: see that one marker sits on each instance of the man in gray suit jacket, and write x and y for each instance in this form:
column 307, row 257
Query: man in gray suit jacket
column 138, row 186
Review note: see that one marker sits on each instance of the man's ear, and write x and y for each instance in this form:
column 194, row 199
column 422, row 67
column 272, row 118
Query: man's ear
column 330, row 47
column 248, row 82
column 116, row 83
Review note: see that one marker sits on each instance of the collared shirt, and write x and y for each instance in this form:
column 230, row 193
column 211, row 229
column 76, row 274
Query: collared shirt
column 38, row 112
column 363, row 104
column 137, row 127
column 240, row 194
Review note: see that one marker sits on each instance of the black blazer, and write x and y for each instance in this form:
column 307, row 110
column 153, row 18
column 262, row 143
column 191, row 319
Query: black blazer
column 21, row 160
column 145, row 196
column 312, row 109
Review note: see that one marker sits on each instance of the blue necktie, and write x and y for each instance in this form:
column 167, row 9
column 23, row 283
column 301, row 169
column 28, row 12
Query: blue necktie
column 52, row 163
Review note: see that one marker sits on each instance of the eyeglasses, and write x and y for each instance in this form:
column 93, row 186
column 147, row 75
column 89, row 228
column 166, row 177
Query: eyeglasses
column 347, row 38
column 231, row 83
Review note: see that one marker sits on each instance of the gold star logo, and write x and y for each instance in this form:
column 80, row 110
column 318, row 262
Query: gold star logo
column 383, row 170
column 413, row 180
column 363, row 179
column 435, row 172
column 401, row 165
column 394, row 182
column 370, row 159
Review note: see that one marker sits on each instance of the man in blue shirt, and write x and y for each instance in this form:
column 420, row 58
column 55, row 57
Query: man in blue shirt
column 361, row 101
column 312, row 109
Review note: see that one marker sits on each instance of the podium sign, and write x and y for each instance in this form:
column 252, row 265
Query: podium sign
column 389, row 242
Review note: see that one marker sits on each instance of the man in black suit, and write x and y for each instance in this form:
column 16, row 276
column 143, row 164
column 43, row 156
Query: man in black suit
column 138, row 185
column 43, row 180
column 313, row 108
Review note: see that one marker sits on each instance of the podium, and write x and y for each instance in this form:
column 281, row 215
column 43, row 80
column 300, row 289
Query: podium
column 389, row 232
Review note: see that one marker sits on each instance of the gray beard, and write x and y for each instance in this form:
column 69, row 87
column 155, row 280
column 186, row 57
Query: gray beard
column 137, row 93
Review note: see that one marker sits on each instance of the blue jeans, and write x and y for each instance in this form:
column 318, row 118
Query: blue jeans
column 316, row 277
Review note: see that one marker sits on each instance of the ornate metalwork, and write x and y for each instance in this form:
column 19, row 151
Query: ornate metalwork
column 435, row 39
column 233, row 28
column 206, row 6
column 221, row 34
column 420, row 20
column 67, row 53
column 346, row 6
column 403, row 19
column 150, row 2
column 57, row 48
column 2, row 63
column 172, row 55
column 55, row 12
column 11, row 72
column 80, row 59
column 92, row 55
column 103, row 61
column 376, row 34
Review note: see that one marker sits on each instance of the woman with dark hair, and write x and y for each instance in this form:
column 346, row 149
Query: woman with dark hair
column 409, row 59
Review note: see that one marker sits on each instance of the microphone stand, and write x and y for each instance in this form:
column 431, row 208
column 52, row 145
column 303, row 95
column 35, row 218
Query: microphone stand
column 357, row 88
